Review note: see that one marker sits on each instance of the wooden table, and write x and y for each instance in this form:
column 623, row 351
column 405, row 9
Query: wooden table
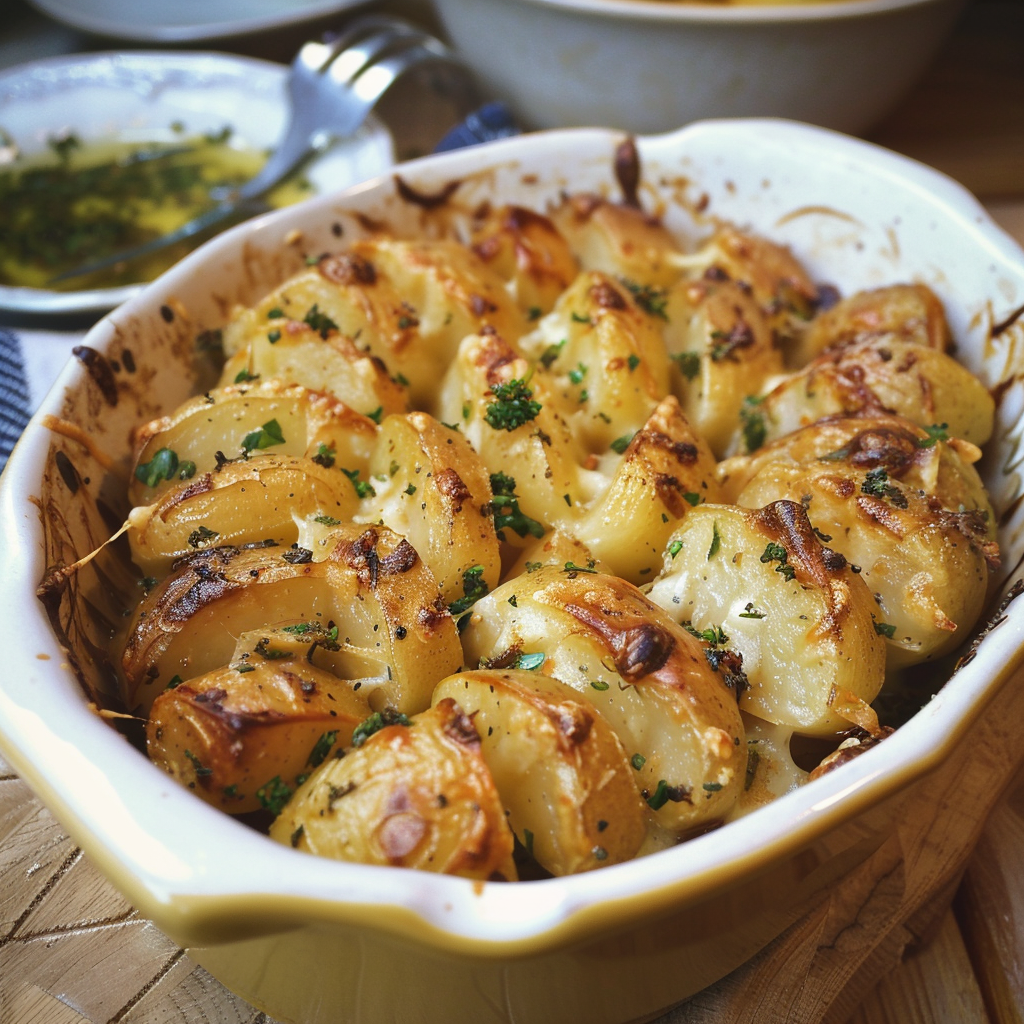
column 888, row 949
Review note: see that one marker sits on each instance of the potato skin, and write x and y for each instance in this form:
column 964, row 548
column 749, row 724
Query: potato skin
column 229, row 733
column 675, row 715
column 415, row 796
column 559, row 768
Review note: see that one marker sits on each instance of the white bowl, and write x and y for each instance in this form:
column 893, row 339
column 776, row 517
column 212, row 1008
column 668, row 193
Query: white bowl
column 655, row 65
column 323, row 942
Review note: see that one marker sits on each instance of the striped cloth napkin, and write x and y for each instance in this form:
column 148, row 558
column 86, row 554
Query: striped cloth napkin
column 30, row 360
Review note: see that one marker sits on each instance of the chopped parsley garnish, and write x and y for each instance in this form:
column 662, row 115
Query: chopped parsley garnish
column 650, row 299
column 777, row 553
column 320, row 322
column 377, row 721
column 244, row 375
column 638, row 761
column 688, row 363
column 620, row 444
column 633, row 362
column 273, row 337
column 325, row 520
column 659, row 797
column 580, row 318
column 275, row 314
column 551, row 353
column 675, row 547
column 506, row 511
column 886, row 629
column 716, row 541
column 876, row 484
column 266, row 437
column 714, row 635
column 752, row 423
column 410, row 490
column 693, row 498
column 750, row 612
column 572, row 567
column 201, row 536
column 599, row 684
column 198, row 765
column 363, row 487
column 324, row 456
column 273, row 795
column 264, row 650
column 296, row 836
column 936, row 432
column 376, row 414
column 711, row 787
column 163, row 466
column 577, row 375
column 322, row 748
column 529, row 662
column 174, row 682
column 474, row 586
column 513, row 405
column 534, row 566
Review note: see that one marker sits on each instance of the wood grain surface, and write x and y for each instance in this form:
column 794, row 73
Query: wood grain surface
column 885, row 948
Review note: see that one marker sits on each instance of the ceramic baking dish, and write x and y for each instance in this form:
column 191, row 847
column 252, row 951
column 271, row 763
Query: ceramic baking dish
column 321, row 942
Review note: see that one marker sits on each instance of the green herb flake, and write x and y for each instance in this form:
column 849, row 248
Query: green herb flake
column 752, row 423
column 573, row 567
column 506, row 511
column 577, row 375
column 659, row 797
column 377, row 721
column 886, row 629
column 529, row 662
column 876, row 484
column 936, row 432
column 514, row 601
column 638, row 761
column 174, row 682
column 244, row 376
column 364, row 489
column 675, row 547
column 266, row 436
column 688, row 363
column 296, row 836
column 410, row 490
column 712, row 787
column 528, row 842
column 716, row 541
column 273, row 337
column 513, row 405
column 325, row 520
column 322, row 748
column 163, row 466
column 750, row 612
column 692, row 498
column 633, row 361
column 201, row 535
column 273, row 795
column 599, row 684
column 275, row 314
column 201, row 770
column 620, row 444
column 533, row 566
column 551, row 353
column 474, row 587
column 376, row 414
column 324, row 456
column 650, row 299
column 580, row 318
column 777, row 553
column 320, row 322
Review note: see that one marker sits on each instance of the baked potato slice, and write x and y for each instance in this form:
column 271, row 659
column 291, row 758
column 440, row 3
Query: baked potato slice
column 882, row 375
column 378, row 605
column 604, row 356
column 905, row 506
column 759, row 582
column 560, row 769
column 722, row 348
column 909, row 311
column 297, row 354
column 239, row 420
column 414, row 795
column 243, row 736
column 239, row 503
column 666, row 469
column 676, row 716
column 528, row 252
column 432, row 488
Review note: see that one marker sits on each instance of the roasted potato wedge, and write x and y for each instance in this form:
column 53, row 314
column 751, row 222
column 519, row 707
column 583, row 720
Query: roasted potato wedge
column 759, row 582
column 393, row 629
column 675, row 715
column 239, row 503
column 560, row 769
column 432, row 488
column 238, row 420
column 417, row 795
column 243, row 736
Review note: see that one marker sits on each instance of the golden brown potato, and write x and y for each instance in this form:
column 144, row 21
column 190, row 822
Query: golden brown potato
column 618, row 240
column 415, row 795
column 526, row 249
column 408, row 303
column 245, row 502
column 903, row 505
column 233, row 422
column 759, row 582
column 882, row 375
column 297, row 354
column 393, row 631
column 244, row 735
column 511, row 418
column 912, row 312
column 604, row 356
column 722, row 348
column 675, row 715
column 432, row 488
column 560, row 769
column 666, row 469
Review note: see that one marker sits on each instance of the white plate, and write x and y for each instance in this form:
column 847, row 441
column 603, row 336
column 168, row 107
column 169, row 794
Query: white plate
column 185, row 21
column 121, row 94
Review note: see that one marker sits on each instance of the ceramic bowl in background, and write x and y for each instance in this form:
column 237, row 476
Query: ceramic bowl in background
column 316, row 941
column 655, row 65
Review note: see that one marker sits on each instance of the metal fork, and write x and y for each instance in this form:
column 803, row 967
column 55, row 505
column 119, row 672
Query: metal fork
column 332, row 87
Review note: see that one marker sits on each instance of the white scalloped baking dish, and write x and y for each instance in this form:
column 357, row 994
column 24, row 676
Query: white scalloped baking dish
column 323, row 942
